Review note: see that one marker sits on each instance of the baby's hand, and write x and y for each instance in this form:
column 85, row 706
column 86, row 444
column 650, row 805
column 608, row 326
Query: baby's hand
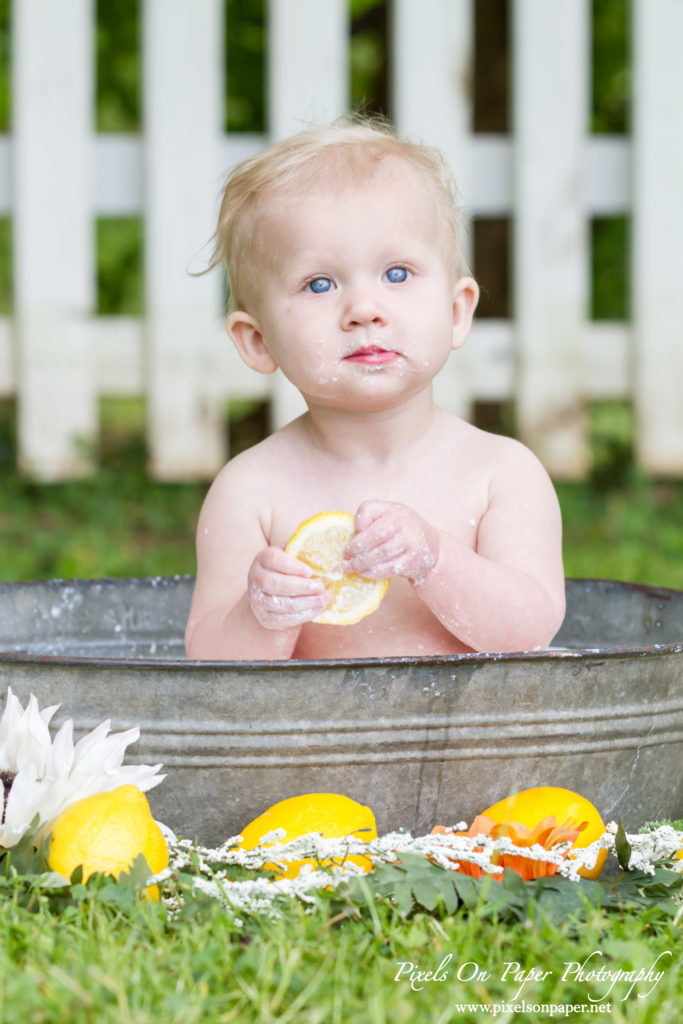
column 282, row 592
column 391, row 540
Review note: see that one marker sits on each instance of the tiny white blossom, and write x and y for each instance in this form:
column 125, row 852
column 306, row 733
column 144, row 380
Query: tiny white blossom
column 260, row 894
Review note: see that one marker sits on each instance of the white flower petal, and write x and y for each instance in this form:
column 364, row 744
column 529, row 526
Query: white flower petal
column 62, row 754
column 47, row 714
column 32, row 748
column 144, row 776
column 50, row 776
column 24, row 800
column 107, row 753
column 90, row 740
column 11, row 731
column 8, row 726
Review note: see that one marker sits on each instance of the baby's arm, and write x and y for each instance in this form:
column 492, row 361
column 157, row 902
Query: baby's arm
column 250, row 598
column 506, row 595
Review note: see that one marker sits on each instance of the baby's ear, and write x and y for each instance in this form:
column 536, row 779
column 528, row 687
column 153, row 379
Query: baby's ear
column 248, row 339
column 465, row 299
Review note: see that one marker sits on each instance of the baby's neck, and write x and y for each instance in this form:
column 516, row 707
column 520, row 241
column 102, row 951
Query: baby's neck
column 351, row 436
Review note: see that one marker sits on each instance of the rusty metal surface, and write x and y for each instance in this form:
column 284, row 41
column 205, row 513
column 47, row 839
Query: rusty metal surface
column 421, row 740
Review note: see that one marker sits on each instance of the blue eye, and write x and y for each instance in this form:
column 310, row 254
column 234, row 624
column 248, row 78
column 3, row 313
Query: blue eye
column 320, row 285
column 397, row 275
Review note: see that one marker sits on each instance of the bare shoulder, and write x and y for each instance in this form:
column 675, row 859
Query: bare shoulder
column 251, row 474
column 497, row 455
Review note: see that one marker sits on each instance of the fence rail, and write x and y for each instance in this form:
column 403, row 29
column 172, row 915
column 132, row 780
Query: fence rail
column 550, row 176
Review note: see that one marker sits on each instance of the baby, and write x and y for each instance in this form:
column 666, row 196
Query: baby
column 345, row 270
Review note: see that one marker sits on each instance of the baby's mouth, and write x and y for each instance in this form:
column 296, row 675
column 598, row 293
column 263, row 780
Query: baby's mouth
column 372, row 355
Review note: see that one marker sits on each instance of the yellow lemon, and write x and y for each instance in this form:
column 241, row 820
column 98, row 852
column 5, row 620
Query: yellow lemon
column 320, row 542
column 106, row 832
column 532, row 805
column 332, row 814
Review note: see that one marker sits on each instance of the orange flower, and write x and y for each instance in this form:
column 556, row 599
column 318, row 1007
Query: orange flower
column 547, row 833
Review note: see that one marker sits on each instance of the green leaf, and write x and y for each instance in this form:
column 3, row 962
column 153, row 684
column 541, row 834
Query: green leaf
column 77, row 876
column 137, row 875
column 622, row 847
column 28, row 857
column 414, row 880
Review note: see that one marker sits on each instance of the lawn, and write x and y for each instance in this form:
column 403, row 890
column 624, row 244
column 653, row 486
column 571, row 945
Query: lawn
column 350, row 955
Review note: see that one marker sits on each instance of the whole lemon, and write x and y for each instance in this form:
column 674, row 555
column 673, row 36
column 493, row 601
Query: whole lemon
column 332, row 814
column 106, row 832
column 531, row 805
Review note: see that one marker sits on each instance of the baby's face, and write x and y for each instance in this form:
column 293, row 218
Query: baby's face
column 356, row 297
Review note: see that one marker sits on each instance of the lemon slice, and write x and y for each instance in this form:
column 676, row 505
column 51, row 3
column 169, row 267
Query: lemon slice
column 320, row 542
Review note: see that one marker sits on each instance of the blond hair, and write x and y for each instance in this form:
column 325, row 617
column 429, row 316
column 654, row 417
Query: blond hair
column 345, row 152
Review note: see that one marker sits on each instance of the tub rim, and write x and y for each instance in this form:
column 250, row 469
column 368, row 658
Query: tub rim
column 299, row 664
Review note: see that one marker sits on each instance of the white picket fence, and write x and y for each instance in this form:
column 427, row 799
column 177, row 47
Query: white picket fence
column 550, row 176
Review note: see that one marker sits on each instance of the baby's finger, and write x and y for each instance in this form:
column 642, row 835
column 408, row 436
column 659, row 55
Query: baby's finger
column 279, row 584
column 277, row 560
column 303, row 605
column 369, row 511
column 276, row 612
column 367, row 561
column 381, row 533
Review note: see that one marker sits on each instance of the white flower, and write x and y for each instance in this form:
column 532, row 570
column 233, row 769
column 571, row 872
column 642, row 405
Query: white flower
column 42, row 777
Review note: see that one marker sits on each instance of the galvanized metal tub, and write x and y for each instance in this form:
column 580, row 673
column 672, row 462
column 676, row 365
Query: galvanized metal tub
column 421, row 740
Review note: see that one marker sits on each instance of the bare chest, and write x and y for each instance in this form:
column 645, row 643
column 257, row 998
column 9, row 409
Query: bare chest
column 442, row 496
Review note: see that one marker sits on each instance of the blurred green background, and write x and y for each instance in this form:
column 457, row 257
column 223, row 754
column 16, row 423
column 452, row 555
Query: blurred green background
column 619, row 524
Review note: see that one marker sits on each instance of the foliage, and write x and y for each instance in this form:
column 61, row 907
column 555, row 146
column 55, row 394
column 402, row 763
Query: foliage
column 116, row 523
column 415, row 881
column 630, row 531
column 96, row 952
column 119, row 248
column 246, row 42
column 5, row 92
column 611, row 91
column 118, row 46
column 5, row 266
column 611, row 256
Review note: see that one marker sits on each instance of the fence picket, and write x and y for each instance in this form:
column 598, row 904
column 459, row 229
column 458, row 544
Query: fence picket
column 657, row 233
column 307, row 77
column 183, row 115
column 436, row 108
column 550, row 230
column 53, row 252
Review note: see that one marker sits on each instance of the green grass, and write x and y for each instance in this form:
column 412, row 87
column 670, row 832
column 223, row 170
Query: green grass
column 94, row 962
column 633, row 533
column 118, row 523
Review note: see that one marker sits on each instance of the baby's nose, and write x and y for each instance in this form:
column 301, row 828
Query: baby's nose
column 362, row 309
